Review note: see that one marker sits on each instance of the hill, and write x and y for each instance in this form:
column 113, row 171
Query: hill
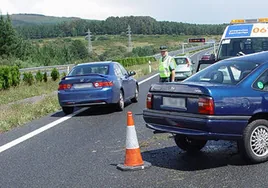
column 38, row 19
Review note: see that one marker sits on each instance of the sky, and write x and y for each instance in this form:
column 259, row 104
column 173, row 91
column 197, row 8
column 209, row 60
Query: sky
column 187, row 11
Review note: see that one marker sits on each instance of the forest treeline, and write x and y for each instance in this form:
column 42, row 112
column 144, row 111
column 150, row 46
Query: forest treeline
column 117, row 26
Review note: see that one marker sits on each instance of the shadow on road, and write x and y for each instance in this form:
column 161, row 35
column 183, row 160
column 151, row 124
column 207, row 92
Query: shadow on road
column 92, row 111
column 212, row 156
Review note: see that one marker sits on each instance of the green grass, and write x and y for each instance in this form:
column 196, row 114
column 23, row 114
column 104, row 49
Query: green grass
column 24, row 91
column 19, row 114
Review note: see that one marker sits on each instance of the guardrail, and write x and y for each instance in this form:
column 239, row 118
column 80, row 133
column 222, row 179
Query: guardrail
column 60, row 68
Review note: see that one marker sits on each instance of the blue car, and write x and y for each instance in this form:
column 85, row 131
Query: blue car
column 227, row 100
column 95, row 84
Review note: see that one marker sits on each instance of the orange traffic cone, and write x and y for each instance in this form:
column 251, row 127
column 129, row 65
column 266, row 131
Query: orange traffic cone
column 133, row 158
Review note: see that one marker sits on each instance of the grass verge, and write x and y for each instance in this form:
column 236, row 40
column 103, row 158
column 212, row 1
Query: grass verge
column 19, row 114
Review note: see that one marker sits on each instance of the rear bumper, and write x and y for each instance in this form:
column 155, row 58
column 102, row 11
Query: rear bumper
column 196, row 125
column 86, row 98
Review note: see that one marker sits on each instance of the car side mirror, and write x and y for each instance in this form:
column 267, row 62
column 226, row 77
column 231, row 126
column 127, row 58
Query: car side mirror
column 212, row 57
column 131, row 73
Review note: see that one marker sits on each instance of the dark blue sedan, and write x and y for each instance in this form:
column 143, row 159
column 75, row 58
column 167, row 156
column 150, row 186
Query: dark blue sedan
column 97, row 83
column 225, row 101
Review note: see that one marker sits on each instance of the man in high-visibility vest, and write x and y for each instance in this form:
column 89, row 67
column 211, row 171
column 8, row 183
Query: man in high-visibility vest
column 166, row 66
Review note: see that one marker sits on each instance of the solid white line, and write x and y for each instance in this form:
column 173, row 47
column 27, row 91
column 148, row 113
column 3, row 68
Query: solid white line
column 38, row 131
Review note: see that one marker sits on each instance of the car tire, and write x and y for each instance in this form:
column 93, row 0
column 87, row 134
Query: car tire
column 135, row 98
column 121, row 103
column 189, row 144
column 68, row 110
column 254, row 145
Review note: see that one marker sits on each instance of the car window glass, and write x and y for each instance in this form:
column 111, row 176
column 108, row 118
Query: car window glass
column 226, row 72
column 262, row 82
column 117, row 71
column 123, row 70
column 180, row 61
column 89, row 69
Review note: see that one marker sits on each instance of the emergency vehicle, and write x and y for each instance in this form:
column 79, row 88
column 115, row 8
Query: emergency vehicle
column 244, row 36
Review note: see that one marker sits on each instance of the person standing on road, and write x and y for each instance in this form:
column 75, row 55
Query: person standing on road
column 166, row 66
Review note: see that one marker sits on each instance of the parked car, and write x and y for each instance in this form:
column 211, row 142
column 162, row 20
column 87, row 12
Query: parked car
column 184, row 67
column 98, row 83
column 226, row 101
column 208, row 57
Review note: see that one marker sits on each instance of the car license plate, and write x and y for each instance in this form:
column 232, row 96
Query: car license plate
column 174, row 102
column 83, row 85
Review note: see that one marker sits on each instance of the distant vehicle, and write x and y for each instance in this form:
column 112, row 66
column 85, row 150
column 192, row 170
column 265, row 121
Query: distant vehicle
column 184, row 67
column 98, row 83
column 226, row 101
column 203, row 64
column 244, row 36
column 208, row 57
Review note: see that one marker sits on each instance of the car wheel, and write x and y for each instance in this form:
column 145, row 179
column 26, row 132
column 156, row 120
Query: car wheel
column 189, row 144
column 135, row 98
column 254, row 145
column 121, row 103
column 68, row 110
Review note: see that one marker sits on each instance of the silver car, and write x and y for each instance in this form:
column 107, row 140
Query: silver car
column 184, row 67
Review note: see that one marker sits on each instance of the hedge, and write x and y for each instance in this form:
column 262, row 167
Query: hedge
column 9, row 76
column 135, row 61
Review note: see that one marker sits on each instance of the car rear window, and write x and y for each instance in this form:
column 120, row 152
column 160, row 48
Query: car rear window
column 225, row 72
column 180, row 61
column 89, row 69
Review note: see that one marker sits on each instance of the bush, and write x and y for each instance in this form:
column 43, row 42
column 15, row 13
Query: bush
column 45, row 77
column 63, row 74
column 6, row 77
column 55, row 74
column 28, row 78
column 15, row 74
column 39, row 76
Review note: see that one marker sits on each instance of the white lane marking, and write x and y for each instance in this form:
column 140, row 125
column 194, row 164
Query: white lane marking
column 54, row 123
column 38, row 131
column 145, row 80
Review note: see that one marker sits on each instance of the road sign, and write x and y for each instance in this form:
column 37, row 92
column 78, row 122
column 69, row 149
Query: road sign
column 192, row 40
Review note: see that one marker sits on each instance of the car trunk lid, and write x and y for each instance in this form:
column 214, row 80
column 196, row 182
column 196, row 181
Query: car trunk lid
column 85, row 82
column 179, row 97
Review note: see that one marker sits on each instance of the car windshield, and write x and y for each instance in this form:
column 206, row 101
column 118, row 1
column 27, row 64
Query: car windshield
column 224, row 72
column 231, row 47
column 180, row 61
column 89, row 69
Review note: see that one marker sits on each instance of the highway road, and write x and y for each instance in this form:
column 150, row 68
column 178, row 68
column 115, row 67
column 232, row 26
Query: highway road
column 83, row 151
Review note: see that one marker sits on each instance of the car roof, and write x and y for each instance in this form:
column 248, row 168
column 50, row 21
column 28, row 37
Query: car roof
column 260, row 57
column 97, row 63
column 181, row 57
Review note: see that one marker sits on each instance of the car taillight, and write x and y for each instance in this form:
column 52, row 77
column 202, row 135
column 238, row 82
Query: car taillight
column 149, row 101
column 64, row 86
column 206, row 105
column 103, row 84
column 187, row 62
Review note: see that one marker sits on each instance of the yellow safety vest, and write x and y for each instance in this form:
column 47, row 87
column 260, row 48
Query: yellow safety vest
column 164, row 71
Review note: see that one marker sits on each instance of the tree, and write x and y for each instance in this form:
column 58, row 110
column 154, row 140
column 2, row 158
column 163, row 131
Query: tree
column 9, row 39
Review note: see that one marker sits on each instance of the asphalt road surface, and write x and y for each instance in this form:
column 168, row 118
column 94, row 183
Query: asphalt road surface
column 83, row 151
